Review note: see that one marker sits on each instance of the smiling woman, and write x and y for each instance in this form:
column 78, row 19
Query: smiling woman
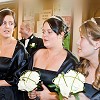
column 89, row 50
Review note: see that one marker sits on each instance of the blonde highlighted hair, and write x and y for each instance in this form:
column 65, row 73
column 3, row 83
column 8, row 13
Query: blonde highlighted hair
column 91, row 28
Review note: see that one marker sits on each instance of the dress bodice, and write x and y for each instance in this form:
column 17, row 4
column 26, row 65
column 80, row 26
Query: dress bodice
column 4, row 67
column 48, row 75
column 91, row 92
column 11, row 68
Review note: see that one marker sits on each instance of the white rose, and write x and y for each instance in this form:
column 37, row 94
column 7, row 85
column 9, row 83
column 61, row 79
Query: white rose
column 57, row 79
column 32, row 45
column 33, row 76
column 21, row 86
column 75, row 81
column 60, row 82
column 28, row 81
column 30, row 85
column 64, row 89
column 71, row 82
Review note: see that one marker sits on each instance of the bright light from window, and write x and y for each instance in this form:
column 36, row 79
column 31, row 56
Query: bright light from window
column 5, row 0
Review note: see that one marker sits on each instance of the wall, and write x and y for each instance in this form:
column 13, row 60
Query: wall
column 77, row 20
column 20, row 17
column 81, row 13
column 61, row 8
column 91, row 9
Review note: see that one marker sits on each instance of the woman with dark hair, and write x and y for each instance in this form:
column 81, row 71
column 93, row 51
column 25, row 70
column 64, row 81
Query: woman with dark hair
column 13, row 58
column 52, row 60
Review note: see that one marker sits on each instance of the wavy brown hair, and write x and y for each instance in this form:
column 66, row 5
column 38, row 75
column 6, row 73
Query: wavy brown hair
column 91, row 28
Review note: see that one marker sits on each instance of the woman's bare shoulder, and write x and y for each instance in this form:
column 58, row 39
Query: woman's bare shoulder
column 39, row 53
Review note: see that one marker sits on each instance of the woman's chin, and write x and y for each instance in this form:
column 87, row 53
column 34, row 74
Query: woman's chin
column 46, row 45
column 80, row 55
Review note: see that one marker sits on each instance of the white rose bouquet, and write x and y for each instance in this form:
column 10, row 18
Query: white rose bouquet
column 69, row 84
column 28, row 81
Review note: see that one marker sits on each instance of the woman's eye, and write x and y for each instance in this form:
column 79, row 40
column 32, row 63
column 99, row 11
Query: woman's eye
column 82, row 37
column 9, row 23
column 4, row 23
column 50, row 32
column 43, row 32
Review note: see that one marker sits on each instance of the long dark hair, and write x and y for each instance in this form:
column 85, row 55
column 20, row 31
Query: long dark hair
column 57, row 25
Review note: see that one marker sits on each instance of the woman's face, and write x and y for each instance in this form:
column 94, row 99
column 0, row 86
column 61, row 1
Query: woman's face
column 50, row 38
column 7, row 28
column 85, row 49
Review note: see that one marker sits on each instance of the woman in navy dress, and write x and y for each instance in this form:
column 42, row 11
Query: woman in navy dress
column 13, row 58
column 89, row 50
column 52, row 60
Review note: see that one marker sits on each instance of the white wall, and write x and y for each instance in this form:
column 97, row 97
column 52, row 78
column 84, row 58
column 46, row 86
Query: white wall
column 77, row 20
column 20, row 17
column 5, row 0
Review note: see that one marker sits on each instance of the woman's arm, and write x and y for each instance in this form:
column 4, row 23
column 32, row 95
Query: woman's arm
column 4, row 83
column 44, row 95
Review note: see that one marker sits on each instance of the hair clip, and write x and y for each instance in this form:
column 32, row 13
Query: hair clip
column 93, row 20
column 5, row 9
column 55, row 17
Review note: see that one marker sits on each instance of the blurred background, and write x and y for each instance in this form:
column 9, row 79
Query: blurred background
column 74, row 12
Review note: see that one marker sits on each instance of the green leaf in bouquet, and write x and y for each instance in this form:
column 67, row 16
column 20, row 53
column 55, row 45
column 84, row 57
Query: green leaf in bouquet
column 52, row 86
column 60, row 96
column 56, row 88
column 76, row 95
column 39, row 86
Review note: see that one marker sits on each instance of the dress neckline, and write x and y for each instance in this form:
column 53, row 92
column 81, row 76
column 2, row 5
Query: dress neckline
column 5, row 57
column 13, row 52
column 52, row 70
column 44, row 69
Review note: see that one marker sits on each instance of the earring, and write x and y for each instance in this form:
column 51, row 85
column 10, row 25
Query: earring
column 60, row 37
